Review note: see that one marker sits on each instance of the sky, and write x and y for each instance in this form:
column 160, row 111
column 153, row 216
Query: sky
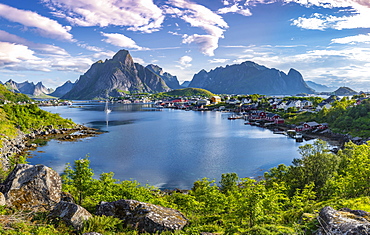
column 52, row 41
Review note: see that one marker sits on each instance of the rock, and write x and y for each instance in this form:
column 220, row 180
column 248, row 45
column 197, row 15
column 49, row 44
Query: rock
column 31, row 187
column 2, row 199
column 70, row 213
column 344, row 221
column 142, row 216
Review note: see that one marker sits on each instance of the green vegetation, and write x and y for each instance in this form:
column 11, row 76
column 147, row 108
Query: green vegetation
column 6, row 95
column 186, row 92
column 343, row 117
column 285, row 201
column 30, row 117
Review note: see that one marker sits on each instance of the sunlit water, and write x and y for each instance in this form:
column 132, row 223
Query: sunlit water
column 169, row 148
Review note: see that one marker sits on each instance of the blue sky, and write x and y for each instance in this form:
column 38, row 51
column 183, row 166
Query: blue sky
column 53, row 41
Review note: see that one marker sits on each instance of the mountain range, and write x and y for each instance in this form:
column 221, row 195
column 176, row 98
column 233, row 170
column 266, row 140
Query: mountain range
column 250, row 78
column 28, row 88
column 119, row 76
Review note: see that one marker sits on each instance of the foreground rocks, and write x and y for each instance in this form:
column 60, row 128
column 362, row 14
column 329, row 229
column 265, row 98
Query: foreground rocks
column 143, row 217
column 344, row 221
column 71, row 214
column 29, row 187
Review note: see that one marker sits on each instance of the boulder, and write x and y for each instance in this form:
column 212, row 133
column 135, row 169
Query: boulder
column 31, row 187
column 2, row 199
column 70, row 213
column 343, row 221
column 142, row 216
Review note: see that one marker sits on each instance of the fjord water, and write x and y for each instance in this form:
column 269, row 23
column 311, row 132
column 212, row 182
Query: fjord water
column 169, row 148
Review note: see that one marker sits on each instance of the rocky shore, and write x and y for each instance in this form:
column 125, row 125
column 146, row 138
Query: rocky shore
column 23, row 142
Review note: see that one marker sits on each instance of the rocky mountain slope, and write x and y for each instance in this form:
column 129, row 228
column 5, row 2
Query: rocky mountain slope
column 28, row 88
column 63, row 89
column 248, row 78
column 114, row 78
column 170, row 80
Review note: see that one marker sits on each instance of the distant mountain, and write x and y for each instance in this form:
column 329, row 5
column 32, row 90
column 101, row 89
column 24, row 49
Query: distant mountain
column 249, row 78
column 319, row 87
column 28, row 88
column 115, row 78
column 170, row 80
column 63, row 89
column 185, row 84
column 345, row 91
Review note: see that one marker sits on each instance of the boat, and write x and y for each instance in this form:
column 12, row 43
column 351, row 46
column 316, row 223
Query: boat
column 234, row 116
column 106, row 109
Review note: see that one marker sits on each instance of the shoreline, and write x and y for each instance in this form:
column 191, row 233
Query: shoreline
column 23, row 143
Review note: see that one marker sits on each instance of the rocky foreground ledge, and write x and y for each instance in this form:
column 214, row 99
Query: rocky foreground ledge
column 23, row 142
column 38, row 189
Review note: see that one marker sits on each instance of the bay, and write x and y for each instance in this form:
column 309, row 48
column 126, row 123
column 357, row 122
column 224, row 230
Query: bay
column 169, row 148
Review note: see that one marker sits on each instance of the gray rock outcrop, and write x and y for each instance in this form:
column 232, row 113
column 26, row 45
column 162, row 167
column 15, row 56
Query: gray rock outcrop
column 170, row 80
column 70, row 213
column 29, row 187
column 344, row 221
column 144, row 217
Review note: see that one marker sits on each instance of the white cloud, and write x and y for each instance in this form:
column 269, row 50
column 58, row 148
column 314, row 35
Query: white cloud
column 88, row 47
column 206, row 43
column 121, row 40
column 138, row 60
column 18, row 57
column 13, row 53
column 45, row 26
column 361, row 38
column 218, row 61
column 199, row 16
column 239, row 9
column 41, row 48
column 184, row 62
column 138, row 15
column 358, row 17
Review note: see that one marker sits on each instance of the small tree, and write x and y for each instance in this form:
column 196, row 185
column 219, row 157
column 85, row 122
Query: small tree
column 78, row 181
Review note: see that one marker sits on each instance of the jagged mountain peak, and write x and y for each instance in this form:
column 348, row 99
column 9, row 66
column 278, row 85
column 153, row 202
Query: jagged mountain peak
column 114, row 78
column 121, row 55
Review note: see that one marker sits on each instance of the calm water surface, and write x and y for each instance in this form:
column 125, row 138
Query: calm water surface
column 169, row 148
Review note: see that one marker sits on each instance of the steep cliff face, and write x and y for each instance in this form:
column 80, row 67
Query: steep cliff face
column 114, row 77
column 249, row 77
column 170, row 80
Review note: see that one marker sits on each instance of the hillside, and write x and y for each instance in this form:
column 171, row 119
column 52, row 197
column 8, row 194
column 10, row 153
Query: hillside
column 6, row 95
column 190, row 92
column 250, row 78
column 114, row 78
column 345, row 91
